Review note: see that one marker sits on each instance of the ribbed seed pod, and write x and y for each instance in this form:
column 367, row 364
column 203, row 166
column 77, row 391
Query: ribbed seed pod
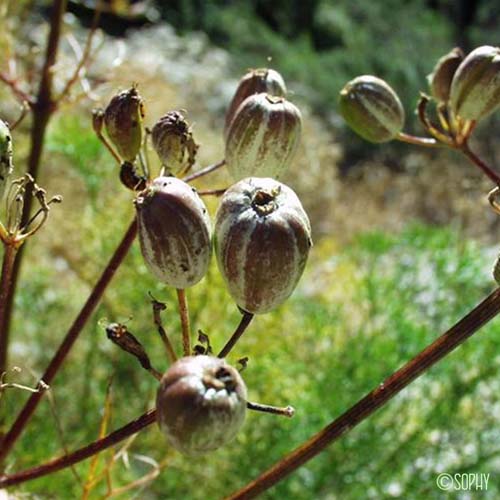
column 263, row 137
column 174, row 232
column 255, row 81
column 372, row 108
column 475, row 89
column 174, row 143
column 441, row 77
column 123, row 122
column 201, row 404
column 5, row 156
column 262, row 241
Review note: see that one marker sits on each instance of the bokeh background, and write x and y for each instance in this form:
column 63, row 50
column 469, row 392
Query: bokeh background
column 404, row 245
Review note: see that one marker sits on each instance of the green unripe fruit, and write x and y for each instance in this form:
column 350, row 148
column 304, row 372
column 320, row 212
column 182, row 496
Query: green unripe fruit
column 201, row 404
column 123, row 118
column 444, row 70
column 475, row 89
column 372, row 109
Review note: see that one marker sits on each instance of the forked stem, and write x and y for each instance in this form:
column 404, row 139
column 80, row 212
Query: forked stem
column 184, row 315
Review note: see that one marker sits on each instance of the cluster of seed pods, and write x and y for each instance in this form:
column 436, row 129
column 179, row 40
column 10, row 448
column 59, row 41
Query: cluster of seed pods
column 261, row 236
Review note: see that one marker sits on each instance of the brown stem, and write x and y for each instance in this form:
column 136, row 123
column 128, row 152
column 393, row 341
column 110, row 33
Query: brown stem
column 479, row 163
column 184, row 314
column 70, row 338
column 204, row 171
column 244, row 322
column 42, row 107
column 446, row 343
column 287, row 411
column 9, row 257
column 81, row 454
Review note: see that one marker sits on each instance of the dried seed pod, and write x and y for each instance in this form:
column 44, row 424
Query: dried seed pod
column 372, row 108
column 262, row 240
column 130, row 177
column 263, row 137
column 174, row 231
column 475, row 89
column 5, row 156
column 201, row 404
column 173, row 142
column 441, row 77
column 123, row 122
column 255, row 81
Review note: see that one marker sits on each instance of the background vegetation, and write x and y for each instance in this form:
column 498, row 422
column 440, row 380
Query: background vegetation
column 400, row 254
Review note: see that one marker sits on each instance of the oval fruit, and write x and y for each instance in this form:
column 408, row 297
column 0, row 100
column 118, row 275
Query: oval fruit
column 255, row 81
column 201, row 404
column 174, row 231
column 262, row 240
column 263, row 137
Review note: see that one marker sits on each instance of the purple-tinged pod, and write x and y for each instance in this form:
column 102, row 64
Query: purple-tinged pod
column 174, row 232
column 255, row 81
column 475, row 89
column 123, row 119
column 372, row 109
column 174, row 143
column 441, row 77
column 263, row 137
column 262, row 240
column 201, row 404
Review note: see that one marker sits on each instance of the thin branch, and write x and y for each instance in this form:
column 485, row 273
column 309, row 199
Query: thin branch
column 184, row 315
column 16, row 90
column 374, row 400
column 428, row 142
column 42, row 107
column 9, row 257
column 85, row 55
column 479, row 163
column 81, row 454
column 92, row 301
column 204, row 171
column 213, row 192
column 240, row 330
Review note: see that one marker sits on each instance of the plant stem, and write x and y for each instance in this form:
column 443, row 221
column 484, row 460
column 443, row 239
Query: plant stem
column 204, row 171
column 287, row 411
column 184, row 314
column 479, row 163
column 213, row 192
column 436, row 351
column 418, row 141
column 42, row 108
column 446, row 343
column 9, row 257
column 70, row 338
column 244, row 322
column 81, row 454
